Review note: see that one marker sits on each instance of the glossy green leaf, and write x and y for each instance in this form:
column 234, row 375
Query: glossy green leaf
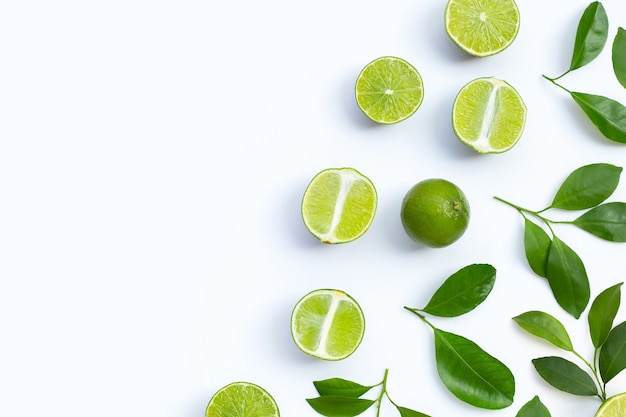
column 602, row 313
column 606, row 221
column 565, row 376
column 545, row 326
column 339, row 406
column 407, row 412
column 462, row 291
column 587, row 186
column 340, row 387
column 619, row 56
column 591, row 35
column 613, row 353
column 533, row 408
column 471, row 374
column 608, row 115
column 537, row 247
column 568, row 278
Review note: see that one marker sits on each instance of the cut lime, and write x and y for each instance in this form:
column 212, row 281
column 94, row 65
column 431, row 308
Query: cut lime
column 488, row 115
column 614, row 406
column 327, row 324
column 482, row 27
column 389, row 89
column 339, row 205
column 242, row 399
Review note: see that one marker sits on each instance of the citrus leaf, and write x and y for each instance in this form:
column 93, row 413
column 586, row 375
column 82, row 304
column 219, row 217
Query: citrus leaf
column 587, row 187
column 602, row 313
column 537, row 247
column 606, row 221
column 613, row 353
column 619, row 56
column 339, row 406
column 567, row 278
column 533, row 408
column 340, row 387
column 565, row 376
column 608, row 115
column 591, row 35
column 462, row 291
column 545, row 326
column 471, row 374
column 407, row 412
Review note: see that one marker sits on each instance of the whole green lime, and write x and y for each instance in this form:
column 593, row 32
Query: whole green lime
column 435, row 212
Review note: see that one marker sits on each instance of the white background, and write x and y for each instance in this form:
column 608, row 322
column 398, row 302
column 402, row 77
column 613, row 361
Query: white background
column 153, row 155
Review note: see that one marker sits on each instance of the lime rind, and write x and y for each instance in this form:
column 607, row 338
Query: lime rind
column 614, row 406
column 489, row 115
column 482, row 28
column 339, row 205
column 389, row 90
column 242, row 399
column 327, row 324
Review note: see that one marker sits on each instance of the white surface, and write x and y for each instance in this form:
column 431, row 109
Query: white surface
column 153, row 155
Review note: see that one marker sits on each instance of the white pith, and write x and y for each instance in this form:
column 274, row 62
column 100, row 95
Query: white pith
column 347, row 179
column 482, row 144
column 328, row 322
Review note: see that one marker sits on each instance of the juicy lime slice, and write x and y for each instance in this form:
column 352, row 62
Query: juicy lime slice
column 389, row 89
column 242, row 399
column 327, row 324
column 614, row 406
column 488, row 115
column 482, row 27
column 339, row 205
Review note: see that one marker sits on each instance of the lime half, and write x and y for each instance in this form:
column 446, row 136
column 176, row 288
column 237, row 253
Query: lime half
column 242, row 399
column 327, row 324
column 488, row 115
column 614, row 406
column 389, row 90
column 339, row 205
column 482, row 27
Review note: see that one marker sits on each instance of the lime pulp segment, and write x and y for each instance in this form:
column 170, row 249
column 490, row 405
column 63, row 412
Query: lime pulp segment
column 614, row 406
column 242, row 399
column 389, row 90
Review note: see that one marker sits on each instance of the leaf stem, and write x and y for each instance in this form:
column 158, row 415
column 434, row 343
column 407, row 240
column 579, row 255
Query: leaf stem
column 416, row 311
column 594, row 372
column 553, row 81
column 383, row 392
column 536, row 214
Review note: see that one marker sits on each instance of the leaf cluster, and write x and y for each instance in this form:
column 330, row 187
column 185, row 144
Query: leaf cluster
column 608, row 115
column 470, row 373
column 342, row 398
column 585, row 189
column 609, row 344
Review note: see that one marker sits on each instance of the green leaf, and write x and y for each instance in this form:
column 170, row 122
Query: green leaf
column 602, row 313
column 407, row 412
column 568, row 278
column 340, row 388
column 545, row 326
column 462, row 291
column 565, row 376
column 606, row 221
column 533, row 408
column 608, row 115
column 591, row 35
column 619, row 56
column 339, row 406
column 471, row 374
column 587, row 187
column 537, row 247
column 613, row 353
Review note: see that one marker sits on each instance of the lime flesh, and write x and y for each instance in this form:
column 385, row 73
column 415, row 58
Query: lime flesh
column 482, row 27
column 242, row 399
column 488, row 115
column 389, row 90
column 614, row 406
column 327, row 324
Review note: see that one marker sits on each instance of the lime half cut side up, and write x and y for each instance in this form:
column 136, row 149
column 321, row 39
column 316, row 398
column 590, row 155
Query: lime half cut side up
column 488, row 115
column 614, row 406
column 327, row 324
column 482, row 27
column 242, row 399
column 389, row 90
column 339, row 205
